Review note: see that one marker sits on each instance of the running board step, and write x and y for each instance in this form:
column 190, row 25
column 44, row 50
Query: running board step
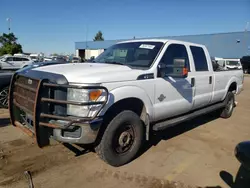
column 171, row 122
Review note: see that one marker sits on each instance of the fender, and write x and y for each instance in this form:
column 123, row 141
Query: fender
column 233, row 79
column 125, row 92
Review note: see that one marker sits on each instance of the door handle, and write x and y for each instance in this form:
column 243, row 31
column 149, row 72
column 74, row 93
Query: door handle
column 192, row 82
column 210, row 79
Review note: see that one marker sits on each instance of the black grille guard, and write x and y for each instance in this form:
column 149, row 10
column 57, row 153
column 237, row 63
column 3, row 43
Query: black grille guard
column 34, row 107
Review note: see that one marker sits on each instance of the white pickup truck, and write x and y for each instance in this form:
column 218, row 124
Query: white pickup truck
column 114, row 102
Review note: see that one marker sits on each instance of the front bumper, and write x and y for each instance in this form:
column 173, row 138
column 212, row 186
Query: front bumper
column 84, row 133
column 39, row 108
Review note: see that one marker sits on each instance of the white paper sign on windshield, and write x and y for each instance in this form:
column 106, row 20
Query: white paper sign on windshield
column 147, row 46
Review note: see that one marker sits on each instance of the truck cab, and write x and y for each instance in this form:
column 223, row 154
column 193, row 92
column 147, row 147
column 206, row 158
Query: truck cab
column 115, row 101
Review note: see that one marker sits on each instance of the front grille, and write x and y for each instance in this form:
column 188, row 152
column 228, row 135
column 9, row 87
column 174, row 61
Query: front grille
column 24, row 94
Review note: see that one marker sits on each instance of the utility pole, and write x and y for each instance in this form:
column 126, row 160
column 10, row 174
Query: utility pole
column 246, row 28
column 87, row 30
column 245, row 37
column 8, row 20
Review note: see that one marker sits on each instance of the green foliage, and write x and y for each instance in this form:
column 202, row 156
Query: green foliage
column 9, row 45
column 98, row 36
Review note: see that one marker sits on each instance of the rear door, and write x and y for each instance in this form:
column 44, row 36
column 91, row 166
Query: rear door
column 17, row 62
column 203, row 77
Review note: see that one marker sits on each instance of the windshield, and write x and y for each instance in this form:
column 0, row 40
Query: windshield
column 134, row 54
column 233, row 63
column 33, row 57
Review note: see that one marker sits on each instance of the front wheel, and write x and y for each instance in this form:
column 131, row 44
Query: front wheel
column 228, row 109
column 122, row 139
column 4, row 97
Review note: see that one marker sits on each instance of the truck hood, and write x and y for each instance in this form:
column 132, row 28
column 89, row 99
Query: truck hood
column 92, row 72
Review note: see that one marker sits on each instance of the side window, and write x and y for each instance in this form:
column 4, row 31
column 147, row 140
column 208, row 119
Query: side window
column 16, row 59
column 25, row 59
column 9, row 59
column 200, row 60
column 174, row 51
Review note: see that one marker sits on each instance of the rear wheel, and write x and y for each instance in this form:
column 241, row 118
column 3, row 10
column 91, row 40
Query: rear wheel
column 122, row 139
column 230, row 103
column 4, row 92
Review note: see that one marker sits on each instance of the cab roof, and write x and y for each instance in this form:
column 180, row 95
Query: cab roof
column 161, row 40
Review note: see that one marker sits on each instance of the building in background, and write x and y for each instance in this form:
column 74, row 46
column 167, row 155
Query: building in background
column 225, row 45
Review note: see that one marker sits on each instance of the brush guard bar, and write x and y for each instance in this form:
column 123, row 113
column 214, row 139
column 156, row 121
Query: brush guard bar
column 37, row 100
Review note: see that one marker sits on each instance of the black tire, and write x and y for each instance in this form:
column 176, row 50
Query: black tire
column 4, row 92
column 125, row 130
column 230, row 104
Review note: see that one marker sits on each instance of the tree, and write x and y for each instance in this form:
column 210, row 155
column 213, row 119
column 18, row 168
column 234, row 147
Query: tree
column 9, row 44
column 98, row 36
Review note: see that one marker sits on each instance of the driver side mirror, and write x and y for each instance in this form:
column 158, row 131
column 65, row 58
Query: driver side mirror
column 178, row 69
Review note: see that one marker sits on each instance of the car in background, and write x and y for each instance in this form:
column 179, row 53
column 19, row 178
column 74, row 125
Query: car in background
column 60, row 59
column 46, row 59
column 14, row 62
column 75, row 60
column 229, row 64
column 36, row 57
column 245, row 61
column 5, row 78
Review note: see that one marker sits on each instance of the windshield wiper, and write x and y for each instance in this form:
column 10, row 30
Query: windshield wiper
column 114, row 62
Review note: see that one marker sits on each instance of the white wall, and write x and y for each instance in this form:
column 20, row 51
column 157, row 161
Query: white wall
column 95, row 53
column 77, row 53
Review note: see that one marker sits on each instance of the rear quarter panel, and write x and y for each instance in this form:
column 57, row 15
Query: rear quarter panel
column 223, row 80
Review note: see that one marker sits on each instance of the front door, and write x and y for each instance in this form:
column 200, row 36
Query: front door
column 8, row 63
column 173, row 96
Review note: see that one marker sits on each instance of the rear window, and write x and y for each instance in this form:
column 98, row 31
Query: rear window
column 200, row 60
column 233, row 63
column 25, row 59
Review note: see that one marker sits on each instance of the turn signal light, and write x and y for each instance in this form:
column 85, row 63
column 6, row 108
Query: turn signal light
column 184, row 71
column 94, row 95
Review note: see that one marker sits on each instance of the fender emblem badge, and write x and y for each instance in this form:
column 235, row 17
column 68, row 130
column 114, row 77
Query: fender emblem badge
column 161, row 97
column 29, row 81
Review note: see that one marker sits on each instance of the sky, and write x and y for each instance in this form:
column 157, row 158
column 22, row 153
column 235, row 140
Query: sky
column 53, row 26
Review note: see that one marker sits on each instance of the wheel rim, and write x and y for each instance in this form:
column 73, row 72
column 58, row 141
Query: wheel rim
column 124, row 139
column 4, row 97
column 230, row 104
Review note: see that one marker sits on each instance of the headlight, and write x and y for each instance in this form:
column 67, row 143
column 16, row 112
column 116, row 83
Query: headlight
column 81, row 95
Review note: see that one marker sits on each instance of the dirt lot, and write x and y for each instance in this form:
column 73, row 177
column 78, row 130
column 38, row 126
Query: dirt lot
column 196, row 153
